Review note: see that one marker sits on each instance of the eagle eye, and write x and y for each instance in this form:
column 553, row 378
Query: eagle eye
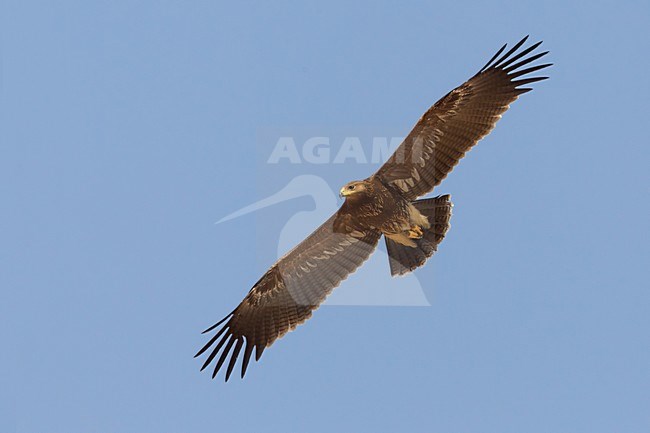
column 350, row 187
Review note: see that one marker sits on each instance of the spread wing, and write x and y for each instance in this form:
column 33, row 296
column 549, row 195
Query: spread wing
column 459, row 120
column 288, row 293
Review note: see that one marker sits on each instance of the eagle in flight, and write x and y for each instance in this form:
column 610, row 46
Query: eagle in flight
column 386, row 204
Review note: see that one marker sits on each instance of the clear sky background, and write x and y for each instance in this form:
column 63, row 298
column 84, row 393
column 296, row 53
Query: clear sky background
column 129, row 128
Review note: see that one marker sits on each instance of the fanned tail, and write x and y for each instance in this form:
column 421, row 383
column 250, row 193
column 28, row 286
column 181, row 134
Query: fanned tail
column 404, row 259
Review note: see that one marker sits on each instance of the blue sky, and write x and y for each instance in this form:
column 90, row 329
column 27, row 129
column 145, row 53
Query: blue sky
column 129, row 128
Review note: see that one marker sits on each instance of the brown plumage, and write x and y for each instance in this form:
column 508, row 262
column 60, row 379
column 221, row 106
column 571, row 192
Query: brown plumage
column 385, row 203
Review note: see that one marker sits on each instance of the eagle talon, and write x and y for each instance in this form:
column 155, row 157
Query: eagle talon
column 416, row 232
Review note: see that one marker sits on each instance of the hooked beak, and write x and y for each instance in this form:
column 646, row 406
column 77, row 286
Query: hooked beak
column 343, row 192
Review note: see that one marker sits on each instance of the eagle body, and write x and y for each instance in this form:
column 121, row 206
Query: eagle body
column 373, row 204
column 387, row 204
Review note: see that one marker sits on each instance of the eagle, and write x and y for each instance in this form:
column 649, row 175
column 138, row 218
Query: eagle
column 386, row 203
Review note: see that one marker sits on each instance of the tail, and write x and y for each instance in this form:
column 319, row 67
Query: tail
column 404, row 259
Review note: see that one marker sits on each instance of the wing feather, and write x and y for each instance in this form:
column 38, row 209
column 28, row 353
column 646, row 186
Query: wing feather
column 454, row 124
column 287, row 294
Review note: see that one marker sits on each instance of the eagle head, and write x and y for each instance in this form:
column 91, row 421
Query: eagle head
column 354, row 188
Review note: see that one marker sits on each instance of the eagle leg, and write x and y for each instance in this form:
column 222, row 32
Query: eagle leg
column 416, row 232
